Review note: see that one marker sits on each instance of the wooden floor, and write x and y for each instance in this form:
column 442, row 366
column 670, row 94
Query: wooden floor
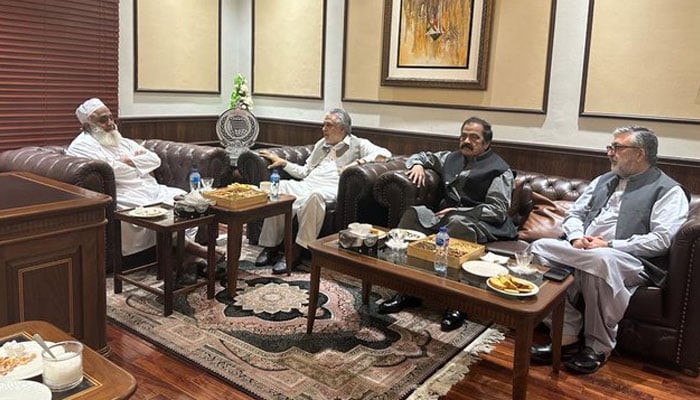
column 161, row 376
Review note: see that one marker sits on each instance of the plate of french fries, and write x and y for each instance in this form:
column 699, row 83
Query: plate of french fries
column 509, row 285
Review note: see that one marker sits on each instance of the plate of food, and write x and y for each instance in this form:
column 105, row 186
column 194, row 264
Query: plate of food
column 484, row 269
column 20, row 360
column 148, row 212
column 408, row 235
column 512, row 286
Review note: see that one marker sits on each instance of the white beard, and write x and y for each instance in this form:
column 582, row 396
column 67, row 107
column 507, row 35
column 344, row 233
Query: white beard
column 106, row 138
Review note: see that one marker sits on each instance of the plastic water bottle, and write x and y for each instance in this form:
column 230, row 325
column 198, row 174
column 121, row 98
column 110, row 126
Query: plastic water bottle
column 195, row 179
column 442, row 242
column 274, row 185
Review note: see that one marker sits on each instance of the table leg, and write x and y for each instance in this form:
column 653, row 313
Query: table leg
column 288, row 256
column 366, row 289
column 164, row 247
column 313, row 295
column 211, row 257
column 233, row 253
column 180, row 250
column 556, row 333
column 117, row 256
column 521, row 359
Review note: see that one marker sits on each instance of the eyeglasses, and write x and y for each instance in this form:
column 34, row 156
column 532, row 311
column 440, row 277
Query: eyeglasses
column 105, row 118
column 473, row 137
column 616, row 147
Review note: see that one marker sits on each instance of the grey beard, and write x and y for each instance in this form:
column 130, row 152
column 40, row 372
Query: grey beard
column 105, row 138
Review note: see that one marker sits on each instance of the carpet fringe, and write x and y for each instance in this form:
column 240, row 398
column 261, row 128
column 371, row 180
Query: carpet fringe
column 456, row 369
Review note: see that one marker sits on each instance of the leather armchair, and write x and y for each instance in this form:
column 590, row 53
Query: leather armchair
column 659, row 324
column 176, row 162
column 355, row 200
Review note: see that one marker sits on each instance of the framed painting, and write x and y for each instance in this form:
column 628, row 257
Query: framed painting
column 436, row 43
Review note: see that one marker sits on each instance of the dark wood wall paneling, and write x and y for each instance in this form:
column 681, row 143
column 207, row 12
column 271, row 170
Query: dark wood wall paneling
column 550, row 160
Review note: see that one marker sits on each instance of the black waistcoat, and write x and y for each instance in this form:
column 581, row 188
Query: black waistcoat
column 467, row 180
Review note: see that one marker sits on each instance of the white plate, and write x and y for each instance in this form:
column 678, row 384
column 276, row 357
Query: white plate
column 484, row 269
column 18, row 390
column 29, row 370
column 534, row 291
column 148, row 212
column 409, row 234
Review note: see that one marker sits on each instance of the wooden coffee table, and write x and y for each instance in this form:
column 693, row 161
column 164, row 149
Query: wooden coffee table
column 416, row 277
column 236, row 218
column 102, row 379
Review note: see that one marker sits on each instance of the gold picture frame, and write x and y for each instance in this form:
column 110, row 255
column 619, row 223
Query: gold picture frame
column 436, row 43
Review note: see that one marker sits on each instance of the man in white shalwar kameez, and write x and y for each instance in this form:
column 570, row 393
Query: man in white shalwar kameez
column 132, row 164
column 318, row 183
column 623, row 218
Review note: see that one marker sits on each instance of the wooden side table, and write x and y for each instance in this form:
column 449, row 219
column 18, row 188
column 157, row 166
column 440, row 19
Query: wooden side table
column 235, row 219
column 102, row 378
column 165, row 226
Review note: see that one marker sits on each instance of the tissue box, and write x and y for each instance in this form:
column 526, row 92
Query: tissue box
column 459, row 250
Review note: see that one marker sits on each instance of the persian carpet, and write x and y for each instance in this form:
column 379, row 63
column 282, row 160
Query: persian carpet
column 258, row 342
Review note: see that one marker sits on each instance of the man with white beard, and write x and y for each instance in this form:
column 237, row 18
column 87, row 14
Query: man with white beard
column 132, row 165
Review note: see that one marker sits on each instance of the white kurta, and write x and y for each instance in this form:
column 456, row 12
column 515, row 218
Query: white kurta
column 319, row 184
column 607, row 277
column 135, row 185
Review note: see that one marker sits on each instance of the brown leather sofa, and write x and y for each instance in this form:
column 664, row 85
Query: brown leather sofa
column 177, row 160
column 660, row 324
column 355, row 201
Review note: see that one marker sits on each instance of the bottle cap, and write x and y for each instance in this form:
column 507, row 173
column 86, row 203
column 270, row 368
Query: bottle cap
column 443, row 229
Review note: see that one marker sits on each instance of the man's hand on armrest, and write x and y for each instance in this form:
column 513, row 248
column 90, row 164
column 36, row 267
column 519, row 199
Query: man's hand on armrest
column 275, row 160
column 417, row 175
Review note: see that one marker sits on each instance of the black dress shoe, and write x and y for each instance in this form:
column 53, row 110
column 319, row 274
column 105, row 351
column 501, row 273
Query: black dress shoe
column 541, row 354
column 451, row 320
column 267, row 256
column 587, row 361
column 398, row 303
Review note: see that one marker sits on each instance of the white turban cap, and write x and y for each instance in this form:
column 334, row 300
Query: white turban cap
column 88, row 107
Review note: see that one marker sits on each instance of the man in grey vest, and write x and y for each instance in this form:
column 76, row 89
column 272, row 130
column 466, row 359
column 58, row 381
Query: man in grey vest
column 622, row 219
column 478, row 186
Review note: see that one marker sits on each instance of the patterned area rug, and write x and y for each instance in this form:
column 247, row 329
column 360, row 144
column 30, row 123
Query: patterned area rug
column 257, row 342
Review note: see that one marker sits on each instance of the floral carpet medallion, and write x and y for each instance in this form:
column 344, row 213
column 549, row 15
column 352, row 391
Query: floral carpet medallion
column 258, row 343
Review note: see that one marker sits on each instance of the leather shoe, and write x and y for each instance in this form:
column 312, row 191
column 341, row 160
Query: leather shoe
column 398, row 303
column 267, row 256
column 451, row 320
column 541, row 354
column 280, row 267
column 587, row 361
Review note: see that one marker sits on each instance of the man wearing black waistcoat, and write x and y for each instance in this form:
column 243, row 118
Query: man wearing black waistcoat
column 478, row 186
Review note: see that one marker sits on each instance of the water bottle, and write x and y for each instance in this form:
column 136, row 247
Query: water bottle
column 274, row 185
column 442, row 242
column 195, row 179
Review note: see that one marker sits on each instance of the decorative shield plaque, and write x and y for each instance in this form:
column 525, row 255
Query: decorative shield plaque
column 237, row 130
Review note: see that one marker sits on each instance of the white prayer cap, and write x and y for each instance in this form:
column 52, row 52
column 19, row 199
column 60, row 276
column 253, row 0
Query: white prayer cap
column 88, row 107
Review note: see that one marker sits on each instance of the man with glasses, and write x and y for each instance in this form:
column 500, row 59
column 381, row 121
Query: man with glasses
column 316, row 182
column 478, row 185
column 624, row 218
column 132, row 164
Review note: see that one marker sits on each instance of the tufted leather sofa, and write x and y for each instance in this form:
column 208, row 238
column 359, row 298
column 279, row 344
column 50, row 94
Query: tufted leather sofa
column 355, row 201
column 660, row 324
column 177, row 160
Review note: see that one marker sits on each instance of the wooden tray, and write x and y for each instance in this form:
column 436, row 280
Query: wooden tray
column 236, row 196
column 459, row 250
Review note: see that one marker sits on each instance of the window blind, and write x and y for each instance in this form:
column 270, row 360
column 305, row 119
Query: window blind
column 53, row 56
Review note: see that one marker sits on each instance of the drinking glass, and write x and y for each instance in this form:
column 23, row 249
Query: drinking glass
column 523, row 258
column 66, row 370
column 207, row 184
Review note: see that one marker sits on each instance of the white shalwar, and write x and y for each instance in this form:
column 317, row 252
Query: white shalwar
column 135, row 185
column 607, row 277
column 319, row 184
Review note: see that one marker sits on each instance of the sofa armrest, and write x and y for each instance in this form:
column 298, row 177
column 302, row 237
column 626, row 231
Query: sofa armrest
column 253, row 166
column 356, row 201
column 177, row 160
column 395, row 192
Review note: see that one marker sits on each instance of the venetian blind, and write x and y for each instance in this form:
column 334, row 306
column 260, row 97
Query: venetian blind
column 53, row 56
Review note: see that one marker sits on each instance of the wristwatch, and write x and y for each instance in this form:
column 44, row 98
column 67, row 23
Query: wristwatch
column 610, row 243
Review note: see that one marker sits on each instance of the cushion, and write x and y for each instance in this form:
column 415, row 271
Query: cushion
column 544, row 220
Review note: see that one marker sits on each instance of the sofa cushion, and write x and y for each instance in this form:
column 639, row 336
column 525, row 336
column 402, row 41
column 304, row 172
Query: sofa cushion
column 544, row 220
